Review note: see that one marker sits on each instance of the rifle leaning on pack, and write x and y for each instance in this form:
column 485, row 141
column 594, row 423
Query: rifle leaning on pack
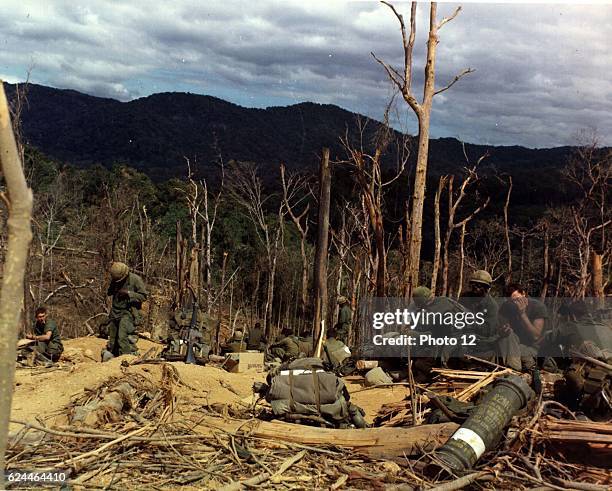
column 191, row 335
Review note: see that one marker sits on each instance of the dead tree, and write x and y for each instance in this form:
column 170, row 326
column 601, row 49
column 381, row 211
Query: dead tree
column 453, row 223
column 294, row 194
column 437, row 237
column 403, row 81
column 321, row 252
column 369, row 177
column 246, row 189
column 19, row 203
column 590, row 172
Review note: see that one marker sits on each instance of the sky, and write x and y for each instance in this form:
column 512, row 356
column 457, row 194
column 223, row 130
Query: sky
column 542, row 72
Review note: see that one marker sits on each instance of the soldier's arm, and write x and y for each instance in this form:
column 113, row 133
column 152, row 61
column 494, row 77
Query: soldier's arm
column 139, row 294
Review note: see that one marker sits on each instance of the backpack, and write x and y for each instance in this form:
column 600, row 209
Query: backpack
column 303, row 389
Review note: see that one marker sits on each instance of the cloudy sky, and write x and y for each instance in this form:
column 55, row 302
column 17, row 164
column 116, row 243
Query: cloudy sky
column 543, row 72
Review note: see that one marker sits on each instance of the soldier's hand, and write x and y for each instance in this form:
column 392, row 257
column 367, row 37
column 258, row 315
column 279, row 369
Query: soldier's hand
column 521, row 304
column 505, row 330
column 123, row 294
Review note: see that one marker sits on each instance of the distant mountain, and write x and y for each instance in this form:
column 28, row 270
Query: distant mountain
column 155, row 133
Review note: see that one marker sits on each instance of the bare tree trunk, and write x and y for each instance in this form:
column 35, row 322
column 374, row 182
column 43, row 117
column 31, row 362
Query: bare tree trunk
column 462, row 261
column 597, row 274
column 220, row 305
column 438, row 243
column 179, row 265
column 320, row 265
column 547, row 267
column 422, row 110
column 507, row 230
column 19, row 238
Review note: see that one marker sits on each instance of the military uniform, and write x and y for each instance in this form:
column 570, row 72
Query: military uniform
column 520, row 343
column 335, row 352
column 345, row 319
column 53, row 348
column 125, row 314
column 256, row 340
column 287, row 348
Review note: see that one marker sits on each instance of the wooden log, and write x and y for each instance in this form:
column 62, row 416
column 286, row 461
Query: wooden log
column 375, row 442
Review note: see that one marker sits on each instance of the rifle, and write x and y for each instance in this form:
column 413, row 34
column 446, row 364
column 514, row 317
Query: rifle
column 191, row 334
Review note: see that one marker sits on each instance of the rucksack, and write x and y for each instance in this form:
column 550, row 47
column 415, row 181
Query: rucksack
column 303, row 388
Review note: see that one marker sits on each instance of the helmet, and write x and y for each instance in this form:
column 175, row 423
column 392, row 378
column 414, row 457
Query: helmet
column 238, row 335
column 481, row 276
column 420, row 295
column 422, row 292
column 341, row 299
column 119, row 271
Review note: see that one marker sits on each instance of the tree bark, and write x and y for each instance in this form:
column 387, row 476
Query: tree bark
column 320, row 266
column 438, row 242
column 597, row 274
column 19, row 238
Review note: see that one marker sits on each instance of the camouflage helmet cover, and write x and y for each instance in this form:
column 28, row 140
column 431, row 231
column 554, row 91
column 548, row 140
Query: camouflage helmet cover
column 481, row 276
column 119, row 271
column 341, row 299
column 422, row 293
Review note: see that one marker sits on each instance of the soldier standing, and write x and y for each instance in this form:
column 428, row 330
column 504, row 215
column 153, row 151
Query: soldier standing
column 345, row 318
column 128, row 292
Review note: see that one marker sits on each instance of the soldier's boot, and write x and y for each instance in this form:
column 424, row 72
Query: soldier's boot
column 357, row 414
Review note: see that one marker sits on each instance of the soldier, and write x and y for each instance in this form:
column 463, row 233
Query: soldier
column 47, row 337
column 589, row 377
column 128, row 292
column 235, row 344
column 425, row 358
column 335, row 352
column 345, row 317
column 256, row 340
column 288, row 348
column 525, row 317
column 490, row 344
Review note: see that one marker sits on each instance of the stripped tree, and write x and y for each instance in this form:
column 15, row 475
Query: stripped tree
column 19, row 204
column 403, row 81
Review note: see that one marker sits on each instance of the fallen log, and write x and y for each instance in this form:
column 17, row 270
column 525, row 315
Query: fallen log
column 375, row 442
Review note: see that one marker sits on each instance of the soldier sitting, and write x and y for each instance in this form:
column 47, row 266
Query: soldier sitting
column 523, row 317
column 335, row 352
column 256, row 339
column 235, row 344
column 47, row 337
column 288, row 348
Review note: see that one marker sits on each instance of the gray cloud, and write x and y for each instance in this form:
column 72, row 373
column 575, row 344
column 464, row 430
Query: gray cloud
column 542, row 71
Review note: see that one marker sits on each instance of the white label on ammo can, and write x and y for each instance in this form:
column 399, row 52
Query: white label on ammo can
column 472, row 439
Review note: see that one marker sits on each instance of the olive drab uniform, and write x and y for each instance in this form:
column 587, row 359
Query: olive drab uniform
column 286, row 349
column 345, row 319
column 52, row 348
column 442, row 305
column 491, row 346
column 589, row 386
column 125, row 314
column 520, row 344
column 335, row 352
column 256, row 339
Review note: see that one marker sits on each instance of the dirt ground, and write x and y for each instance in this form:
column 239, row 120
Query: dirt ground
column 40, row 393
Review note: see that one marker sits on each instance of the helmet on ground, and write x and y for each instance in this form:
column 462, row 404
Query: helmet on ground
column 119, row 271
column 481, row 276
